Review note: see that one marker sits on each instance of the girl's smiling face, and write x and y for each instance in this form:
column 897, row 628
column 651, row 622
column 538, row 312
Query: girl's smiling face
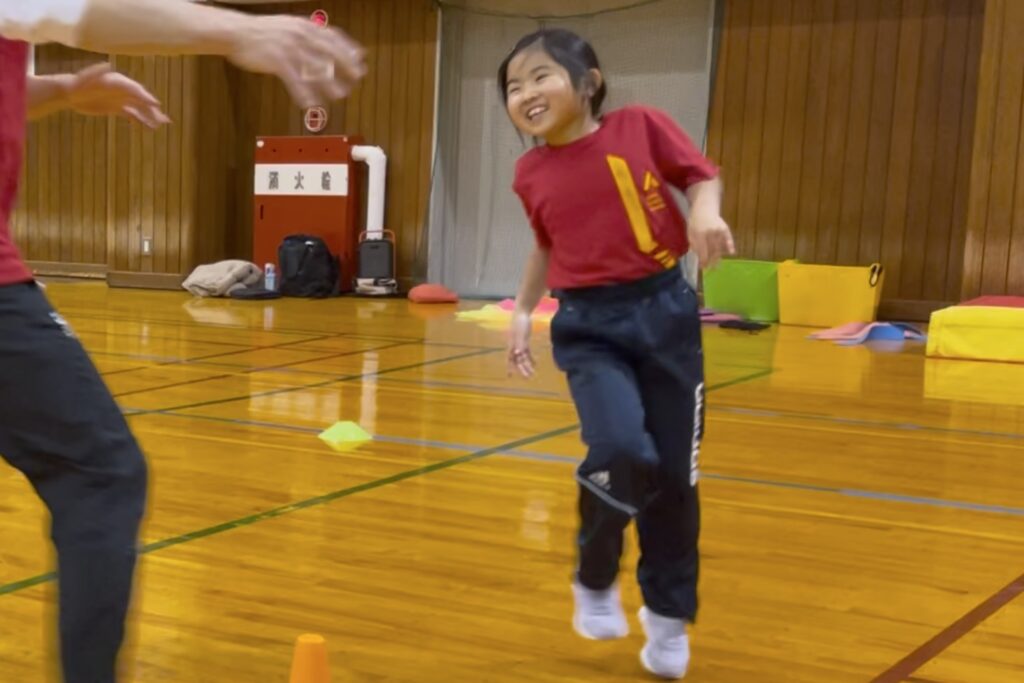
column 541, row 99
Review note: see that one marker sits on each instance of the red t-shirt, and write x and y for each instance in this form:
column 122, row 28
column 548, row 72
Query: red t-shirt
column 13, row 66
column 601, row 204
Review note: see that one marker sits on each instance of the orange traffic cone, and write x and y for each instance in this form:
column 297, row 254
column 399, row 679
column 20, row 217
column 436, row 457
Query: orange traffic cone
column 310, row 662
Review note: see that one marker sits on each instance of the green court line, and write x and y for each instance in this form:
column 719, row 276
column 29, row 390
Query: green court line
column 350, row 491
column 81, row 332
column 740, row 380
column 277, row 330
column 222, row 354
column 256, row 370
column 28, row 583
column 344, row 493
column 318, row 385
column 261, row 347
column 161, row 361
column 71, row 315
column 310, row 502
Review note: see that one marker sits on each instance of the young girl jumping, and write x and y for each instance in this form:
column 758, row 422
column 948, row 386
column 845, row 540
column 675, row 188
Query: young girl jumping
column 627, row 332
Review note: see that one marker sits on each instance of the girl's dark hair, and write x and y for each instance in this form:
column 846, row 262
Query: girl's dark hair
column 571, row 52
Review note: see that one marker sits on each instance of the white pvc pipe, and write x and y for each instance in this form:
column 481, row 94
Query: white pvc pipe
column 378, row 163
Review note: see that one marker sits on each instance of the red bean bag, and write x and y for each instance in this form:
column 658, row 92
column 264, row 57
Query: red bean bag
column 432, row 294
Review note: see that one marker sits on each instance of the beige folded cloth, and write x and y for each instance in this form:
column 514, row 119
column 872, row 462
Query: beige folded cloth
column 223, row 277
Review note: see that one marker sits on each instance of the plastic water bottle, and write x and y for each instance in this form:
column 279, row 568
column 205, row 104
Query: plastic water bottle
column 270, row 277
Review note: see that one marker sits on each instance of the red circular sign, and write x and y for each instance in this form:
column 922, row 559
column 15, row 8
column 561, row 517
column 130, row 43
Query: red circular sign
column 315, row 119
column 319, row 17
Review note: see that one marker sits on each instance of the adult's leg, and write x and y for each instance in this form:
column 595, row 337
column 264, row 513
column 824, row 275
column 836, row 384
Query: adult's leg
column 60, row 426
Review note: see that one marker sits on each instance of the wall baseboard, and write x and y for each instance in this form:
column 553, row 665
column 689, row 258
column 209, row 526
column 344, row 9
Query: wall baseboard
column 91, row 271
column 909, row 310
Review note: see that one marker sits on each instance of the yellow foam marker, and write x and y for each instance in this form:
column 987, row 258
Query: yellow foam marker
column 991, row 333
column 494, row 317
column 343, row 435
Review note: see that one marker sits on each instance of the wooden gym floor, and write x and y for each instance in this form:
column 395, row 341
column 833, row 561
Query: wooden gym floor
column 863, row 515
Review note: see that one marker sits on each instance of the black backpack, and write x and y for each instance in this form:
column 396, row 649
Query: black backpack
column 308, row 268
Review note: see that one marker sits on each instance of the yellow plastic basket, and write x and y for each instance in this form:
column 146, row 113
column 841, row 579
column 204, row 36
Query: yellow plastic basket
column 828, row 296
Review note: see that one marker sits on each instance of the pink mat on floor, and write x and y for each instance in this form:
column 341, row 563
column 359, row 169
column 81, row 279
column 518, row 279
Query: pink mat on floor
column 860, row 332
column 707, row 316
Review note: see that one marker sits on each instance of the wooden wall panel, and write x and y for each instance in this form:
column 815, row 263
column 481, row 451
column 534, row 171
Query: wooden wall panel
column 392, row 108
column 61, row 216
column 213, row 167
column 848, row 132
column 994, row 258
column 844, row 131
column 94, row 189
column 147, row 172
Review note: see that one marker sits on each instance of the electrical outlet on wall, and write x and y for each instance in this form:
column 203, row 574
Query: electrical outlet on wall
column 147, row 246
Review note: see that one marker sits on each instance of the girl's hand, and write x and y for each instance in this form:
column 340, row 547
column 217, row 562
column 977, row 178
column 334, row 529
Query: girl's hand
column 519, row 357
column 711, row 238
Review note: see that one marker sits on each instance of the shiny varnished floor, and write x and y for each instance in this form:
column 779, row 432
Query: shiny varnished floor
column 857, row 504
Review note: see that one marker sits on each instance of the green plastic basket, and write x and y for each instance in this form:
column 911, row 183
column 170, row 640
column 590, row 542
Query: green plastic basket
column 746, row 288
